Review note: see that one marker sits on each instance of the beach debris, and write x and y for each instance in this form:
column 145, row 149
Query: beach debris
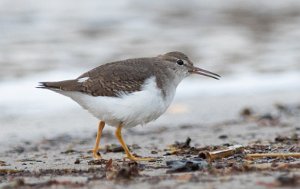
column 114, row 148
column 9, row 171
column 98, row 162
column 77, row 161
column 3, row 163
column 223, row 153
column 273, row 155
column 16, row 183
column 185, row 144
column 288, row 140
column 70, row 151
column 292, row 109
column 266, row 119
column 29, row 160
column 186, row 165
column 19, row 149
column 118, row 148
column 223, row 137
column 134, row 146
column 180, row 147
column 53, row 183
column 288, row 180
column 246, row 112
column 285, row 180
column 126, row 170
column 186, row 126
column 259, row 166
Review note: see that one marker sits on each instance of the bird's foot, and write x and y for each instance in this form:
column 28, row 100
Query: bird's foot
column 96, row 155
column 133, row 158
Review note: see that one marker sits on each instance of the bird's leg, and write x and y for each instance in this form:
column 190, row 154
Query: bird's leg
column 129, row 155
column 99, row 133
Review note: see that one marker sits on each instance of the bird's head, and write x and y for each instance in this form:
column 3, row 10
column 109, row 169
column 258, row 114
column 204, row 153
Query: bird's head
column 182, row 65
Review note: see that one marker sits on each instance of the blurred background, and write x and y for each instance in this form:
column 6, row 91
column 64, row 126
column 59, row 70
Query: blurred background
column 254, row 45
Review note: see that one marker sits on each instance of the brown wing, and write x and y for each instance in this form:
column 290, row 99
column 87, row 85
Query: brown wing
column 118, row 77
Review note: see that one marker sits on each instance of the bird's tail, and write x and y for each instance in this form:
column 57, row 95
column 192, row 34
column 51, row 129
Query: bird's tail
column 67, row 85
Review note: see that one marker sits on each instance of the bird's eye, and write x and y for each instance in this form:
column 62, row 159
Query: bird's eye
column 180, row 62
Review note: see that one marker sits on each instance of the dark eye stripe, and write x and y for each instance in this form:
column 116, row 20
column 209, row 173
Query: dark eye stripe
column 179, row 61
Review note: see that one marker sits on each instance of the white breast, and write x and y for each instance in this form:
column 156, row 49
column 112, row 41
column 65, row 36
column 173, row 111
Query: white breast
column 130, row 109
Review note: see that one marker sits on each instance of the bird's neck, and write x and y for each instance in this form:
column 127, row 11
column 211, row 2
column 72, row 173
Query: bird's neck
column 167, row 83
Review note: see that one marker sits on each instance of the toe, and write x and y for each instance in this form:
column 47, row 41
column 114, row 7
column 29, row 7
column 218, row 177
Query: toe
column 133, row 158
column 97, row 156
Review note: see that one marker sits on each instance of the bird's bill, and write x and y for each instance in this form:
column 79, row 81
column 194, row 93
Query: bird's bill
column 196, row 70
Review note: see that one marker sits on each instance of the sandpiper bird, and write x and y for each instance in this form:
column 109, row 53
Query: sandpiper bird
column 130, row 92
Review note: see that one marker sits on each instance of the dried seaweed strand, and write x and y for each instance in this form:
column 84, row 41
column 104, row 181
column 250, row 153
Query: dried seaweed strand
column 226, row 152
column 273, row 155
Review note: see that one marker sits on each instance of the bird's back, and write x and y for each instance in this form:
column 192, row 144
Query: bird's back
column 110, row 79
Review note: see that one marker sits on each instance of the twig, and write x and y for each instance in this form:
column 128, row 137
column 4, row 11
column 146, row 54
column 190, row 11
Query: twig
column 273, row 155
column 231, row 150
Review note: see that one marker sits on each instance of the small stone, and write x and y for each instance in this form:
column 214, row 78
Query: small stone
column 287, row 180
column 114, row 148
column 185, row 165
column 223, row 137
column 246, row 112
column 77, row 161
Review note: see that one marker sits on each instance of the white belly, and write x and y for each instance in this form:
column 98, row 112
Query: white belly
column 130, row 109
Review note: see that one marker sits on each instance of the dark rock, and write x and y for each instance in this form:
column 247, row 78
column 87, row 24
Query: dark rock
column 186, row 165
column 128, row 171
column 77, row 161
column 223, row 137
column 246, row 112
column 19, row 149
column 185, row 144
column 288, row 180
column 70, row 151
column 114, row 148
column 97, row 162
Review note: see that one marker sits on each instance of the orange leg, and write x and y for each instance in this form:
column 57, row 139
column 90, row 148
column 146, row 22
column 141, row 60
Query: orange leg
column 99, row 133
column 122, row 142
